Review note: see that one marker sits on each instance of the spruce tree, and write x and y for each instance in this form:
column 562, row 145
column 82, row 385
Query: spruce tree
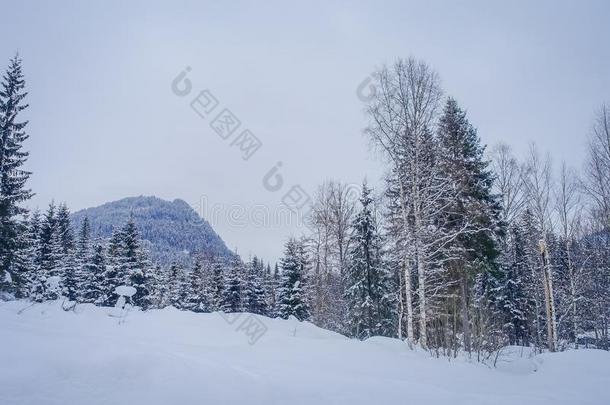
column 216, row 285
column 292, row 295
column 94, row 278
column 12, row 158
column 196, row 297
column 134, row 265
column 64, row 227
column 54, row 267
column 160, row 288
column 129, row 265
column 366, row 280
column 113, row 276
column 70, row 270
column 519, row 294
column 472, row 211
column 23, row 271
column 83, row 249
column 231, row 299
column 254, row 294
column 49, row 257
column 271, row 283
column 177, row 286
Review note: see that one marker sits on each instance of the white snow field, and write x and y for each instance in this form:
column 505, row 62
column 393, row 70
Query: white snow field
column 50, row 356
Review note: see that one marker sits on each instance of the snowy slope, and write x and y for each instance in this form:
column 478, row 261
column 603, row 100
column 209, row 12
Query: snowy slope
column 49, row 356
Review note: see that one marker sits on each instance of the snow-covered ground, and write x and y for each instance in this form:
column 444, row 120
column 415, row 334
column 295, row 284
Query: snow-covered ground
column 50, row 356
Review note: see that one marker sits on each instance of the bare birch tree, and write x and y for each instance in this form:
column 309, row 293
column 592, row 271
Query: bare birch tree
column 508, row 184
column 537, row 181
column 401, row 115
column 332, row 213
column 597, row 172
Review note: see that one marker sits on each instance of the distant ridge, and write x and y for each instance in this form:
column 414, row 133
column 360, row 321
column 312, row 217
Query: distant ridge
column 171, row 230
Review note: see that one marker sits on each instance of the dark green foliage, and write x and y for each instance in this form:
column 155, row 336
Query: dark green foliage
column 13, row 178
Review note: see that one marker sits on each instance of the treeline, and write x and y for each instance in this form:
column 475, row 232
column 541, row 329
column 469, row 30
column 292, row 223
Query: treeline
column 55, row 263
column 461, row 249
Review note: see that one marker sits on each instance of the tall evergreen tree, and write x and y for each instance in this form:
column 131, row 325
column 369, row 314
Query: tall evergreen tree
column 22, row 273
column 113, row 276
column 83, row 250
column 129, row 265
column 177, row 286
column 70, row 270
column 367, row 281
column 217, row 286
column 271, row 284
column 196, row 299
column 254, row 292
column 49, row 257
column 13, row 178
column 232, row 299
column 160, row 289
column 94, row 273
column 472, row 211
column 293, row 299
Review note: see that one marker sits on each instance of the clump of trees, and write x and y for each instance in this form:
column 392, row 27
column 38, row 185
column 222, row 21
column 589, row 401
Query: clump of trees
column 477, row 249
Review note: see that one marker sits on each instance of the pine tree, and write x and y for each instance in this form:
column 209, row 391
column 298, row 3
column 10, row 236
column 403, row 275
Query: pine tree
column 254, row 293
column 113, row 276
column 64, row 227
column 472, row 211
column 134, row 266
column 49, row 258
column 292, row 295
column 367, row 282
column 216, row 290
column 178, row 286
column 69, row 268
column 160, row 288
column 232, row 300
column 82, row 258
column 53, row 269
column 83, row 249
column 270, row 285
column 129, row 265
column 513, row 295
column 94, row 273
column 35, row 283
column 196, row 299
column 71, row 277
column 12, row 177
column 519, row 294
column 23, row 269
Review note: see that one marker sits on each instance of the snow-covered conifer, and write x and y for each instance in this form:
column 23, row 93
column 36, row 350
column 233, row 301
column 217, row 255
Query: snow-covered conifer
column 293, row 299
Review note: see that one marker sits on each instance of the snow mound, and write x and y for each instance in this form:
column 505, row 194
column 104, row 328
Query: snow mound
column 85, row 356
column 125, row 290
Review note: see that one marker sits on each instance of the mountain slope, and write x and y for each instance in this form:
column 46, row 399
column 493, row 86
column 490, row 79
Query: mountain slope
column 173, row 230
column 166, row 356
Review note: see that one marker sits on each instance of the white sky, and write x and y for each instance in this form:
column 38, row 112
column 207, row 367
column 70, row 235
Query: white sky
column 104, row 123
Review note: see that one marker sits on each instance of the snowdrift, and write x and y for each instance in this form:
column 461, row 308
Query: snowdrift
column 98, row 356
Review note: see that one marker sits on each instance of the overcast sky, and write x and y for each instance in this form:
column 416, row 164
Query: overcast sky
column 105, row 124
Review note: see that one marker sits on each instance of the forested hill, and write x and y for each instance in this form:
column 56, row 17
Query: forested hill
column 172, row 231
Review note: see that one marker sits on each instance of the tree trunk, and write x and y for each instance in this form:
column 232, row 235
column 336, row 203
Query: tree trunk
column 465, row 315
column 572, row 293
column 421, row 292
column 407, row 272
column 549, row 299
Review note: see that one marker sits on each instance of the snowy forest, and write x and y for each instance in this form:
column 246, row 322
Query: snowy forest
column 463, row 248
